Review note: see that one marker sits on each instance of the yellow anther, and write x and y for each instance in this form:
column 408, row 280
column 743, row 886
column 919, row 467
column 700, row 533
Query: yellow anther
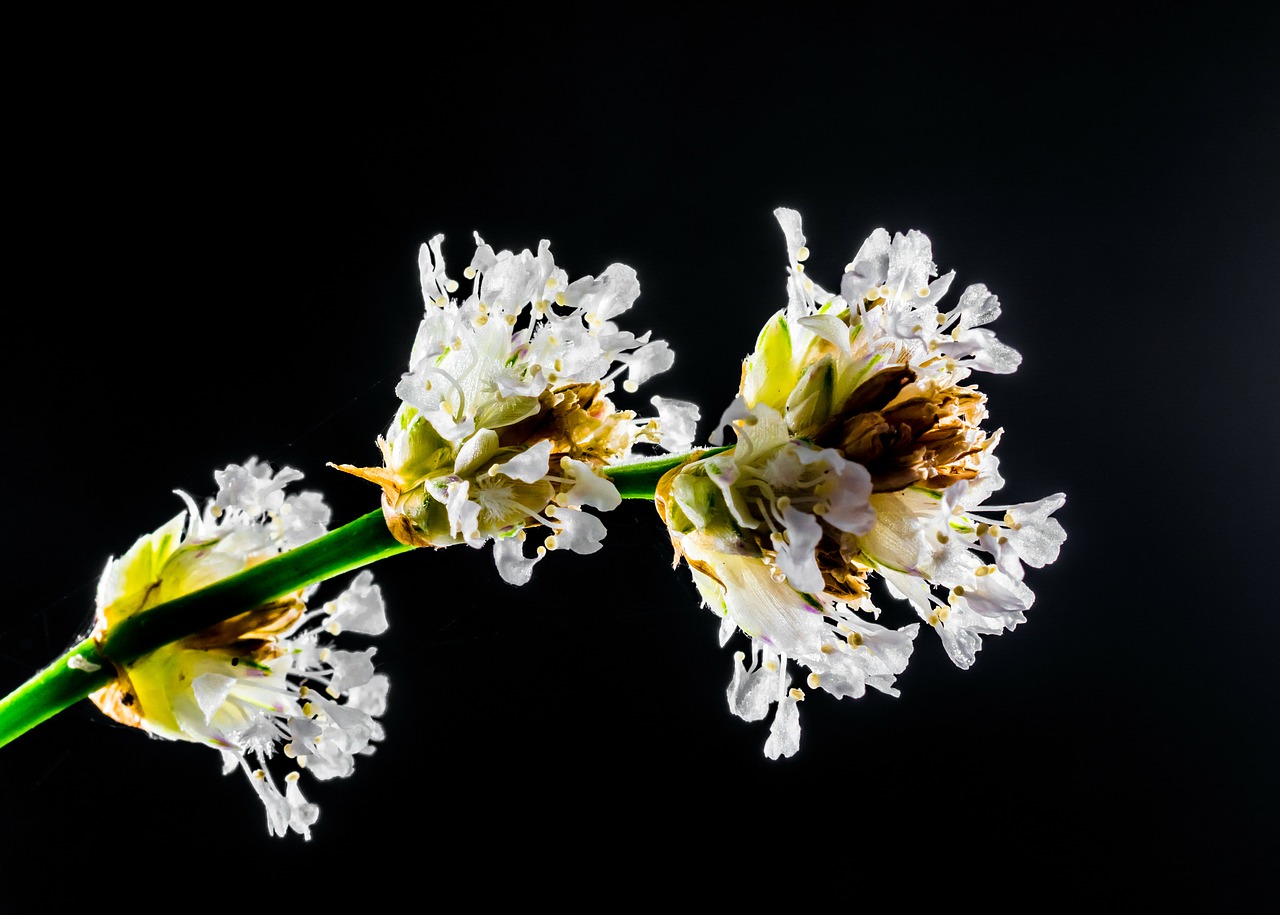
column 450, row 286
column 958, row 590
column 802, row 254
column 559, row 298
column 470, row 272
column 796, row 694
column 552, row 282
column 827, row 649
column 983, row 528
column 308, row 709
column 291, row 777
column 333, row 693
column 854, row 639
column 784, row 502
column 510, row 319
column 813, row 680
column 771, row 665
column 630, row 386
column 923, row 292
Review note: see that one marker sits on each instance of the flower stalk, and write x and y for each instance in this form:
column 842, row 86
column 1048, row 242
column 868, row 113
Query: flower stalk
column 88, row 666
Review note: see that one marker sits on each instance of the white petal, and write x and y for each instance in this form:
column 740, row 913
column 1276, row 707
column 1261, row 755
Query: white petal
column 529, row 466
column 514, row 567
column 589, row 488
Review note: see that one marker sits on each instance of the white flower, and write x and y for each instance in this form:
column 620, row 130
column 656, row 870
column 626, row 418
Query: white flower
column 266, row 679
column 505, row 423
column 858, row 452
column 750, row 523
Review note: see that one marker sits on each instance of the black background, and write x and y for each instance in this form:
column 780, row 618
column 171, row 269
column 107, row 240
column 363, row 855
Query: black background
column 212, row 255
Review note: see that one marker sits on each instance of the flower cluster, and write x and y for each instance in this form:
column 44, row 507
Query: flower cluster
column 505, row 421
column 264, row 678
column 858, row 451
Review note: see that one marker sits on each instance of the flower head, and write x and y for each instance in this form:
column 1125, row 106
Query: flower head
column 264, row 679
column 858, row 452
column 505, row 420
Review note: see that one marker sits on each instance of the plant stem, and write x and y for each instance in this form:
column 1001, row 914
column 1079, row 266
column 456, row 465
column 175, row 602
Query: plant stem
column 640, row 480
column 365, row 540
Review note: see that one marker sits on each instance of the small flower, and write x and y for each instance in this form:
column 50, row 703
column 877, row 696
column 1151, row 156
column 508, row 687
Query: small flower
column 263, row 680
column 858, row 452
column 505, row 422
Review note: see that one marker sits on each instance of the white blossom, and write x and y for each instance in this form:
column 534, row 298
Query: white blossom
column 858, row 452
column 263, row 681
column 505, row 423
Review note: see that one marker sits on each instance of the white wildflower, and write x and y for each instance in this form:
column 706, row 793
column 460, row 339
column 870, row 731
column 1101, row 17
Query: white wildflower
column 261, row 681
column 858, row 451
column 505, row 423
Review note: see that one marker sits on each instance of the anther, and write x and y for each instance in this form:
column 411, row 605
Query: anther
column 451, row 286
column 813, row 680
column 796, row 694
column 802, row 254
column 470, row 272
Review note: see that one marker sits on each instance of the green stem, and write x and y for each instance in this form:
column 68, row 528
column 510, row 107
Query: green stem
column 640, row 480
column 363, row 541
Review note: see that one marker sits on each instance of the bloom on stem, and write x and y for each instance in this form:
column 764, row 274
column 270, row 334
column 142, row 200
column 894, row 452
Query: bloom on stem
column 265, row 678
column 858, row 452
column 505, row 419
